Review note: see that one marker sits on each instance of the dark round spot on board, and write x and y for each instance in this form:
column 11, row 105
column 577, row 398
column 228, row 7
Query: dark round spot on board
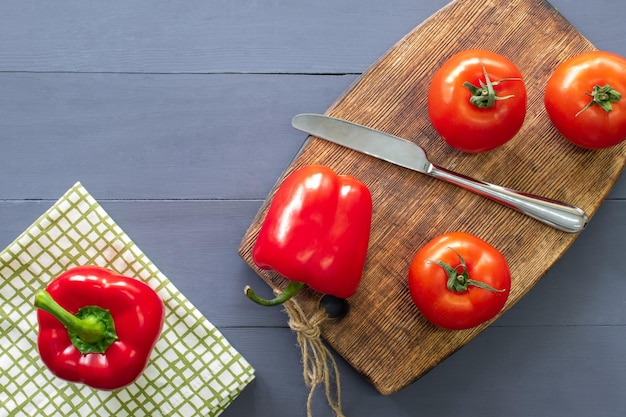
column 335, row 307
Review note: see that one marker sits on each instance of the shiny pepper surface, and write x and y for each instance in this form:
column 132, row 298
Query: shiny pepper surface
column 97, row 327
column 316, row 232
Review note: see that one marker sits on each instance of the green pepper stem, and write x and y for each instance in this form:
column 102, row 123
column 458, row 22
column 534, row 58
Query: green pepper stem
column 91, row 329
column 292, row 289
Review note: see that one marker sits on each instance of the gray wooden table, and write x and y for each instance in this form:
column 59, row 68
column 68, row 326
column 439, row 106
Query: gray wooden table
column 176, row 117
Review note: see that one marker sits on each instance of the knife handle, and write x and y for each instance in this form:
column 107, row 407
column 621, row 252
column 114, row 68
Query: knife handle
column 554, row 213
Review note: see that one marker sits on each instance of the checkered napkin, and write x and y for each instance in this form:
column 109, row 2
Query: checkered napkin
column 193, row 370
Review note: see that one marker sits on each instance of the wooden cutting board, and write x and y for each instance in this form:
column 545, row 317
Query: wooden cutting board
column 384, row 336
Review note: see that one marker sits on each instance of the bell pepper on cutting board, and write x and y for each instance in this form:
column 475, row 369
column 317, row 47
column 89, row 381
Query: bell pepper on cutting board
column 97, row 327
column 316, row 232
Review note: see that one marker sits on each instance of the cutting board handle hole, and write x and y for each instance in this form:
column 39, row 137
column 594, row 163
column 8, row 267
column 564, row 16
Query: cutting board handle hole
column 336, row 308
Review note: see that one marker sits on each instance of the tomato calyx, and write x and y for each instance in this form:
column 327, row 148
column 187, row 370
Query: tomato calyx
column 603, row 97
column 458, row 276
column 485, row 96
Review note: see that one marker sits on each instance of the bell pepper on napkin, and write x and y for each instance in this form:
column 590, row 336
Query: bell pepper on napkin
column 316, row 232
column 97, row 327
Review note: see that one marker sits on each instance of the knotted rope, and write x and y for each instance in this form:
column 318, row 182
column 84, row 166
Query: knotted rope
column 319, row 365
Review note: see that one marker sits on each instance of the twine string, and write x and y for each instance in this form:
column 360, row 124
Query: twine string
column 319, row 365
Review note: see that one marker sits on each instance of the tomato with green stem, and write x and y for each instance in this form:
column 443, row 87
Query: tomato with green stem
column 459, row 281
column 583, row 99
column 477, row 100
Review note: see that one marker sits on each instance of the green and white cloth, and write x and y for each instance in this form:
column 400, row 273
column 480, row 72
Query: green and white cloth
column 193, row 370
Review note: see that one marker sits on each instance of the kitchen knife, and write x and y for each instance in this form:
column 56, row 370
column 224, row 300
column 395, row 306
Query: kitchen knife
column 407, row 154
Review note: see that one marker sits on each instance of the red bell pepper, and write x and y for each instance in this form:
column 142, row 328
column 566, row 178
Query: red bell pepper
column 316, row 232
column 97, row 327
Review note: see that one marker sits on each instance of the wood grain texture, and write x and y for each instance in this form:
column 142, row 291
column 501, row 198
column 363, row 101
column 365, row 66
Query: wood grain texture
column 384, row 337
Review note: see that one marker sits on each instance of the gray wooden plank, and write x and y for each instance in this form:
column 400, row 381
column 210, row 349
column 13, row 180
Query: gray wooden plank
column 194, row 243
column 619, row 190
column 137, row 136
column 153, row 136
column 585, row 286
column 556, row 371
column 324, row 36
column 203, row 36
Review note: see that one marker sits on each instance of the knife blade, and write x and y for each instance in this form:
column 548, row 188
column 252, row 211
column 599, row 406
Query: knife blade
column 404, row 153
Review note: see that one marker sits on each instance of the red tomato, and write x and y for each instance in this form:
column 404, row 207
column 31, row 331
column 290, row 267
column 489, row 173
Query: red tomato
column 477, row 100
column 580, row 105
column 459, row 281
